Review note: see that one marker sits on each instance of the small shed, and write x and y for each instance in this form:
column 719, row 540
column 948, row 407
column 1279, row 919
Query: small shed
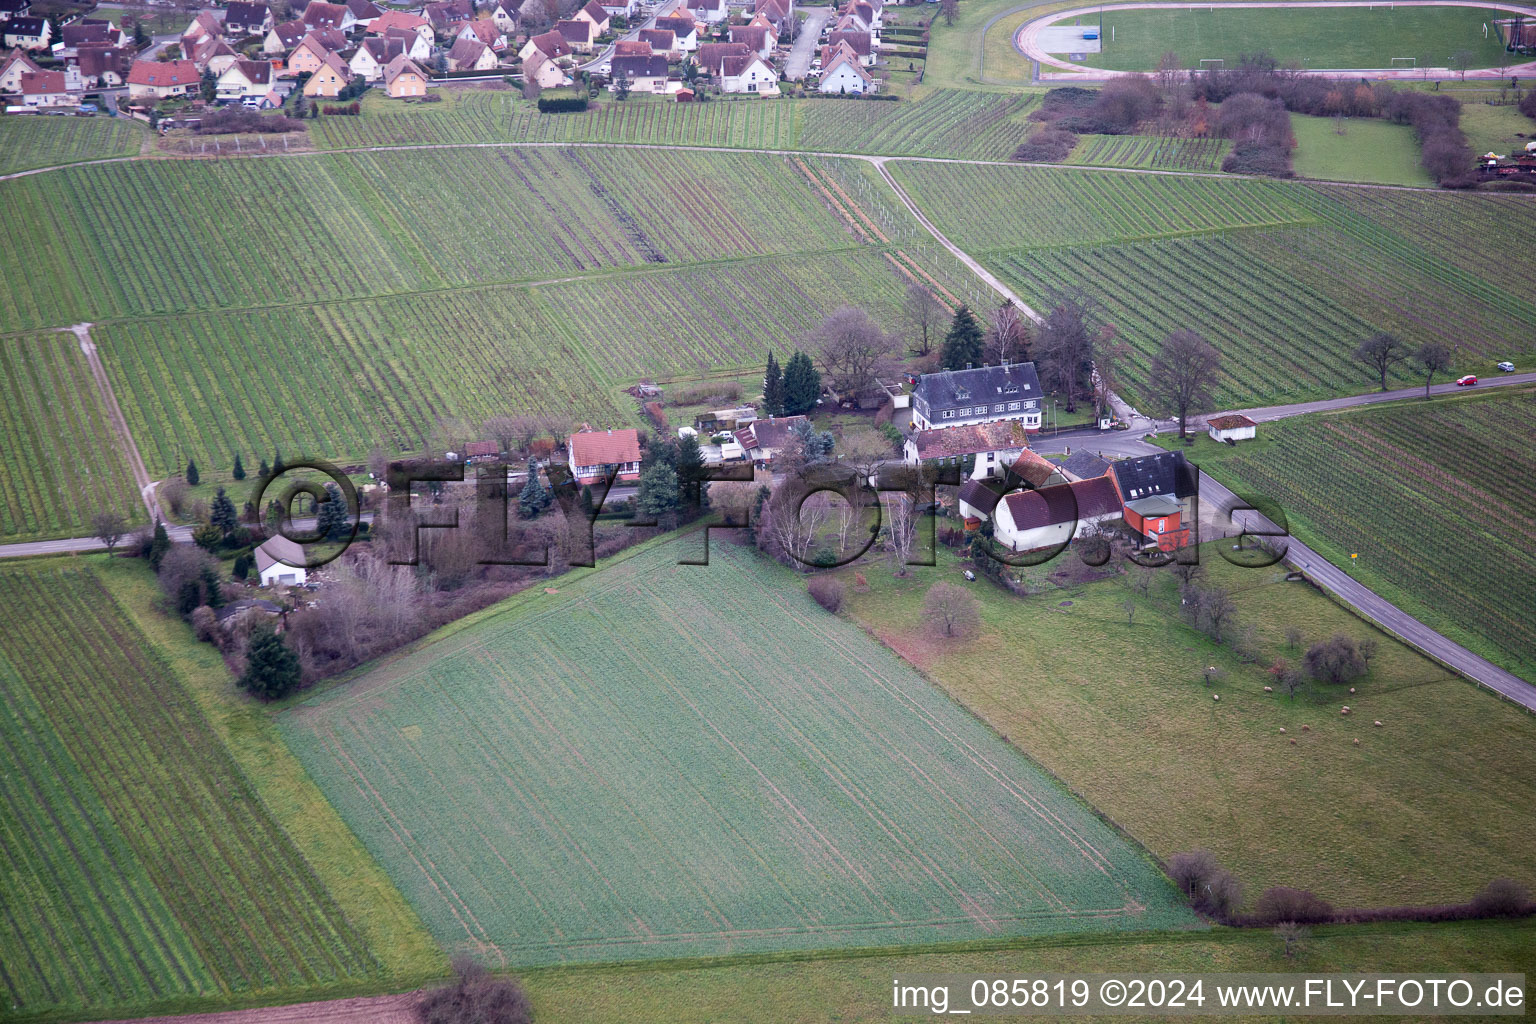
column 280, row 560
column 1231, row 427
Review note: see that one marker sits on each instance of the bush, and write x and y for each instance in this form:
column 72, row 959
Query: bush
column 1046, row 146
column 476, row 997
column 562, row 104
column 1528, row 104
column 239, row 120
column 1211, row 888
column 271, row 667
column 1335, row 660
column 1283, row 903
column 1502, row 897
column 827, row 591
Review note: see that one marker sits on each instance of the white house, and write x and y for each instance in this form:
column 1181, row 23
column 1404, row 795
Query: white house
column 1033, row 520
column 41, row 89
column 748, row 73
column 373, row 56
column 979, row 494
column 1232, row 427
column 280, row 560
column 842, row 75
column 12, row 68
column 245, row 78
column 593, row 452
column 28, row 33
column 994, row 446
column 953, row 398
column 684, row 31
column 708, row 11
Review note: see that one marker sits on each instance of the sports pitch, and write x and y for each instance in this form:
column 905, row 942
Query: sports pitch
column 667, row 761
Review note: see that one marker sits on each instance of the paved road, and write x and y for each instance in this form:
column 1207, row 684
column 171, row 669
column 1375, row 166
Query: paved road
column 84, row 545
column 806, row 43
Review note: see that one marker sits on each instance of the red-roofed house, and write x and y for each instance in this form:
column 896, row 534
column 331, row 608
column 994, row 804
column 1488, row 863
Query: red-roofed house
column 684, row 29
column 157, row 79
column 485, row 30
column 204, row 26
column 470, row 54
column 403, row 78
column 399, row 19
column 631, row 48
column 757, row 38
column 551, row 44
column 329, row 79
column 284, row 37
column 41, row 89
column 842, row 74
column 543, row 72
column 102, row 66
column 1051, row 516
column 1233, row 426
column 12, row 68
column 711, row 55
column 481, row 450
column 593, row 453
column 320, row 14
column 309, row 56
column 994, row 445
column 661, row 41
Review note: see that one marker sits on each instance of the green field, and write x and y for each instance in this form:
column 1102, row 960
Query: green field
column 1153, row 151
column 664, row 760
column 1357, row 149
column 1424, row 810
column 139, row 867
column 1433, row 497
column 62, row 463
column 942, row 123
column 1284, row 279
column 28, row 142
column 1340, row 37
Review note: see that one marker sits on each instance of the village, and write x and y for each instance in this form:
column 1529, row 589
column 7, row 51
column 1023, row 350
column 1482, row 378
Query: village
column 261, row 56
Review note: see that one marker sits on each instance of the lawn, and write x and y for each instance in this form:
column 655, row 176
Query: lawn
column 140, row 868
column 1341, row 37
column 62, row 462
column 1503, row 129
column 1357, row 149
column 1433, row 497
column 655, row 761
column 33, row 141
column 1424, row 809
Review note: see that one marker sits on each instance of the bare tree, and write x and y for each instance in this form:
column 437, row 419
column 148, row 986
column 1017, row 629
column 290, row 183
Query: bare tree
column 108, row 527
column 1008, row 335
column 174, row 491
column 1111, row 356
column 1182, row 374
column 1065, row 340
column 1129, row 606
column 1381, row 351
column 900, row 530
column 1432, row 358
column 853, row 349
column 951, row 608
column 924, row 314
column 790, row 521
column 1461, row 61
column 950, row 9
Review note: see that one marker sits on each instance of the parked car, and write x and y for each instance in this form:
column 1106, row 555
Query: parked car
column 1466, row 381
column 1507, row 367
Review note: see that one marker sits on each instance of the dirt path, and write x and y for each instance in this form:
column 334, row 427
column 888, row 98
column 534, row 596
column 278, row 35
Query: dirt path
column 399, row 1009
column 1027, row 39
column 129, row 448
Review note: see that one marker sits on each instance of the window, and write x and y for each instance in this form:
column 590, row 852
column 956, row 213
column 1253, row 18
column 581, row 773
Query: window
column 997, row 408
column 1010, row 389
column 1013, row 406
column 949, row 414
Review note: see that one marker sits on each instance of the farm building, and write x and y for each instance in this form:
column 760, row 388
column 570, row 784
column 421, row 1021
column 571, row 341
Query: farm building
column 954, row 398
column 280, row 560
column 763, row 440
column 716, row 420
column 1231, row 427
column 593, row 453
column 1051, row 516
column 1157, row 492
column 994, row 446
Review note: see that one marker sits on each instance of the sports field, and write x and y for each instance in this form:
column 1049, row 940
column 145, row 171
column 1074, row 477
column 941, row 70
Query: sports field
column 139, row 868
column 663, row 760
column 1325, row 37
column 1433, row 497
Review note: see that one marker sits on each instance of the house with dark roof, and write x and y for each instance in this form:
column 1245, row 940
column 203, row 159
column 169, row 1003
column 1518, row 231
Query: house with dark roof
column 710, row 55
column 763, row 440
column 758, row 38
column 203, row 26
column 245, row 78
column 364, row 13
column 470, row 54
column 1158, row 494
column 320, row 14
column 592, row 454
column 1050, row 517
column 578, row 34
column 1232, row 427
column 684, row 29
column 708, row 11
column 663, row 42
column 284, row 36
column 645, row 74
column 247, row 19
column 551, row 44
column 780, row 13
column 28, row 33
column 994, row 446
column 14, row 9
column 102, row 66
column 311, row 53
column 748, row 74
column 445, row 14
column 1082, row 465
column 954, row 398
column 594, row 13
column 88, row 32
column 373, row 56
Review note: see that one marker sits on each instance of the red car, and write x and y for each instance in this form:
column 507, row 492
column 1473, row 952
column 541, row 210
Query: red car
column 1466, row 381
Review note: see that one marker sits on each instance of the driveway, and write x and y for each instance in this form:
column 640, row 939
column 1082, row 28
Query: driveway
column 806, row 44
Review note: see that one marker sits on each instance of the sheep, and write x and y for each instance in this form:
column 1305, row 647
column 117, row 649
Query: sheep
column 1351, row 689
column 1344, row 710
column 1293, row 741
column 1377, row 723
column 1215, row 696
column 1282, row 730
column 1357, row 743
column 1306, row 728
column 1269, row 689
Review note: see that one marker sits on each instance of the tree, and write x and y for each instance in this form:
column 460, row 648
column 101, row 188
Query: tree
column 239, row 471
column 263, row 470
column 1336, row 660
column 692, row 493
column 951, row 608
column 158, row 546
column 208, row 87
column 802, row 385
column 332, row 520
column 1129, row 607
column 657, row 495
column 1461, row 61
column 1065, row 341
column 108, row 527
column 224, row 514
column 271, row 668
column 1288, row 676
column 773, row 388
column 923, row 312
column 963, row 343
column 950, row 9
column 192, row 474
column 1431, row 358
column 475, row 997
column 277, row 462
column 621, row 84
column 1381, row 351
column 1291, row 935
column 1182, row 374
column 1008, row 338
column 535, row 498
column 853, row 349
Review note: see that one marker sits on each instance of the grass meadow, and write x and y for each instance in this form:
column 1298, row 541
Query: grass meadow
column 1433, row 497
column 1424, row 809
column 1366, row 149
column 658, row 761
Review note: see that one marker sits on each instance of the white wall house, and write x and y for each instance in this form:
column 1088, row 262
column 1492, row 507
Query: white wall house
column 1231, row 427
column 280, row 560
